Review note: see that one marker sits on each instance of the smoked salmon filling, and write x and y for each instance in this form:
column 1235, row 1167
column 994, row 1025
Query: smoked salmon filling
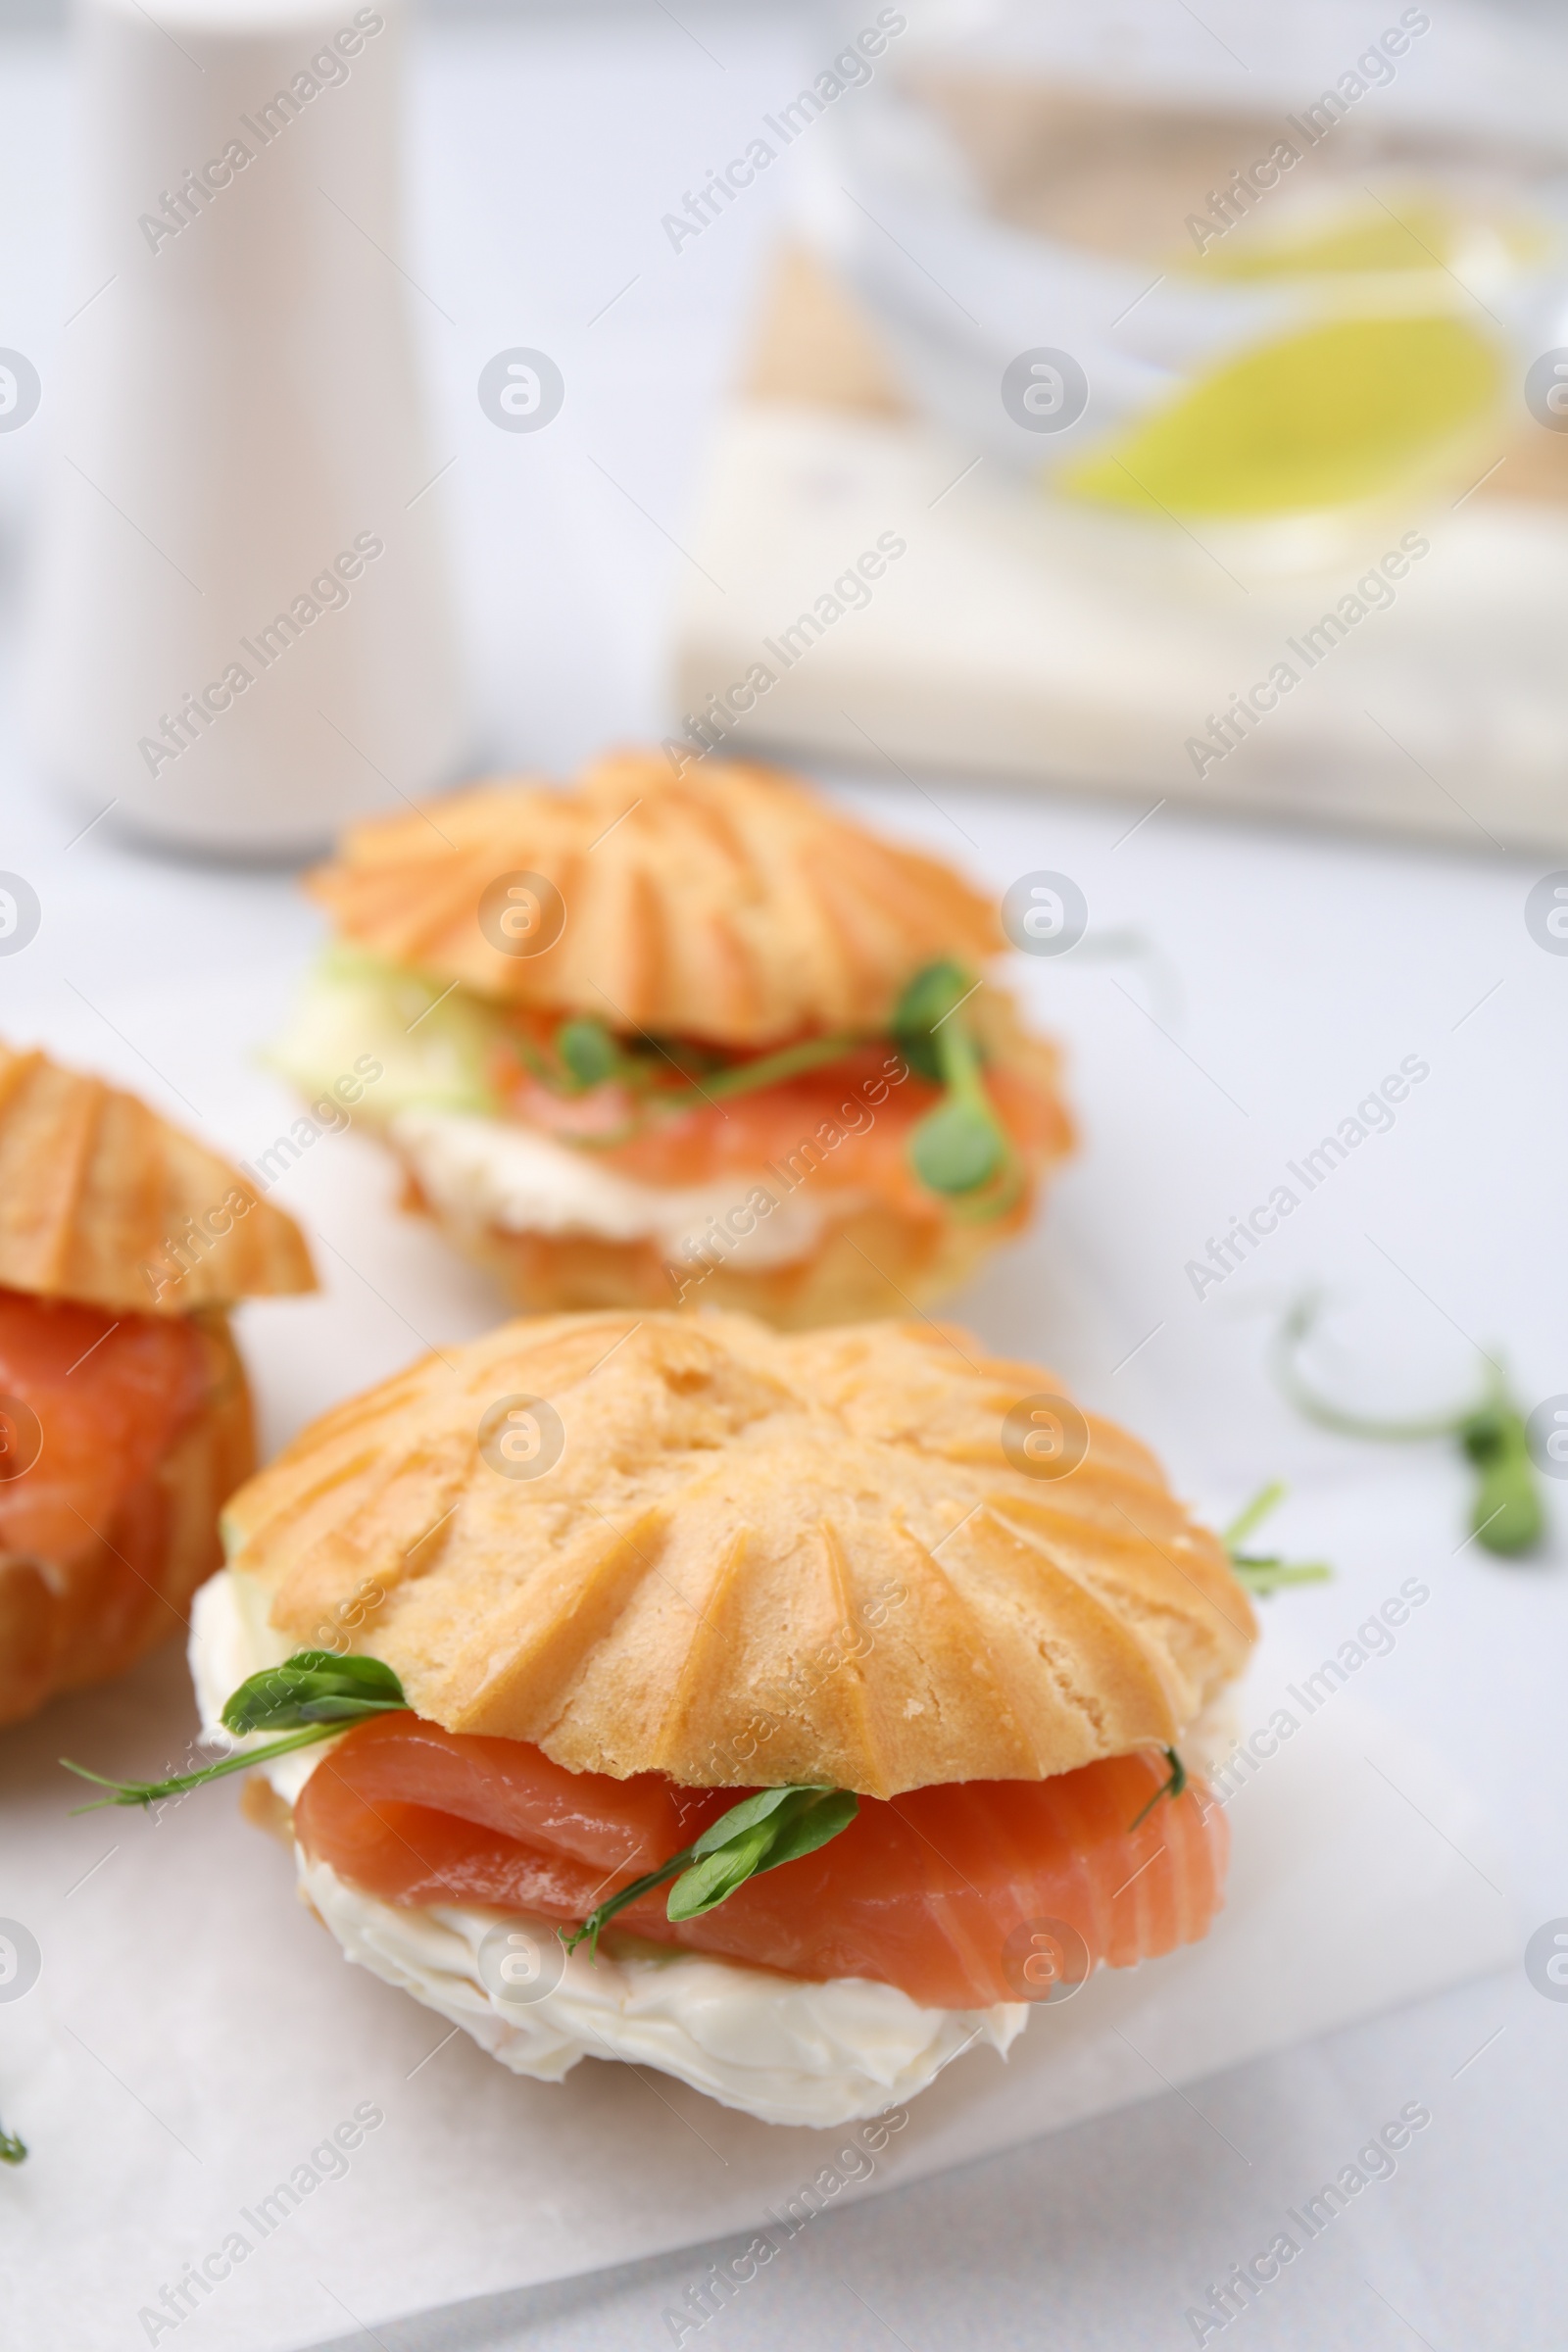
column 940, row 1891
column 863, row 1106
column 103, row 1398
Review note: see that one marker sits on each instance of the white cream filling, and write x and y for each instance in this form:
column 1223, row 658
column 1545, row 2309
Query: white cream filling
column 774, row 2046
column 483, row 1172
column 783, row 2050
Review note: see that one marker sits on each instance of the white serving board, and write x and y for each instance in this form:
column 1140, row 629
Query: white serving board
column 1016, row 639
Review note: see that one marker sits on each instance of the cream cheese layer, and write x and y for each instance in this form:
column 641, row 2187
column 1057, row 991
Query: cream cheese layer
column 489, row 1172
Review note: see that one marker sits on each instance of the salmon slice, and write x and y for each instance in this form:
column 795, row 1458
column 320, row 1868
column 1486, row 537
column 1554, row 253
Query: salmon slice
column 945, row 1892
column 741, row 1133
column 109, row 1395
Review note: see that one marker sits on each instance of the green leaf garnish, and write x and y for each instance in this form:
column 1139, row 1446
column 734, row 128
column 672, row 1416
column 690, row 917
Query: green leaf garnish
column 312, row 1696
column 1172, row 1789
column 1508, row 1515
column 928, row 1002
column 314, row 1685
column 744, row 1843
column 590, row 1052
column 960, row 1148
column 1261, row 1572
column 12, row 2149
column 956, row 1148
column 762, row 1831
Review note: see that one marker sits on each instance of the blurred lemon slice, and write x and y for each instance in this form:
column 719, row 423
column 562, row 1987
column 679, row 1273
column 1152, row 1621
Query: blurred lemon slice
column 1414, row 233
column 1339, row 412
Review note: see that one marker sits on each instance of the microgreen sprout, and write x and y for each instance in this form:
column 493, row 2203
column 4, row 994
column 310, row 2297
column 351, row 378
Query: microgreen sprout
column 1508, row 1516
column 1172, row 1789
column 771, row 1069
column 775, row 1826
column 12, row 2149
column 312, row 1696
column 1261, row 1572
column 589, row 1053
column 960, row 1149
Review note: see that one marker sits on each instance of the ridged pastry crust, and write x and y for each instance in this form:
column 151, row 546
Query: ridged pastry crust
column 731, row 904
column 62, row 1627
column 104, row 1201
column 759, row 1557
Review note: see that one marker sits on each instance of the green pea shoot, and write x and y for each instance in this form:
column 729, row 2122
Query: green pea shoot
column 960, row 1149
column 1264, row 1572
column 312, row 1697
column 1508, row 1516
column 762, row 1831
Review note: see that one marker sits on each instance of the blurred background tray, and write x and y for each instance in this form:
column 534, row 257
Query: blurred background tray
column 1018, row 639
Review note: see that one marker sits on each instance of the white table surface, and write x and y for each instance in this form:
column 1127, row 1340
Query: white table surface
column 1296, row 970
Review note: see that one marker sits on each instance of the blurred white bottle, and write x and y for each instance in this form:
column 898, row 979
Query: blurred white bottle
column 244, row 630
